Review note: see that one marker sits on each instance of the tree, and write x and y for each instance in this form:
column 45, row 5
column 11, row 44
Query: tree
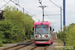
column 69, row 35
column 29, row 23
column 11, row 28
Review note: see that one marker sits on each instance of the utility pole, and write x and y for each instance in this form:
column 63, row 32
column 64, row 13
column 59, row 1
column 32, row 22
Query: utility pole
column 61, row 18
column 40, row 1
column 64, row 14
column 18, row 1
column 23, row 22
column 64, row 20
column 60, row 14
column 43, row 11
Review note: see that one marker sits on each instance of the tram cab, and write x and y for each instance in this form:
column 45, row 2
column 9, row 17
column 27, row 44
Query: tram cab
column 43, row 33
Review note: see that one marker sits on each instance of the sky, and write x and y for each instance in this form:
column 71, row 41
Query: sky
column 32, row 7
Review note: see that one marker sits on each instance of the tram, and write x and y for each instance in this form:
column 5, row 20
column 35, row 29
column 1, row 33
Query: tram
column 43, row 33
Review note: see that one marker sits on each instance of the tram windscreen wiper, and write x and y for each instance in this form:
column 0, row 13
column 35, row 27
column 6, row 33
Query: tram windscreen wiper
column 39, row 33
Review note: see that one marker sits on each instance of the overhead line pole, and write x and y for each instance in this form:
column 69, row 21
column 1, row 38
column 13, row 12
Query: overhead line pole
column 64, row 13
column 60, row 14
column 23, row 22
column 18, row 1
column 64, row 19
column 42, row 9
column 61, row 18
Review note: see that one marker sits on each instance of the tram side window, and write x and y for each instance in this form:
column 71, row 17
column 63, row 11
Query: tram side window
column 50, row 30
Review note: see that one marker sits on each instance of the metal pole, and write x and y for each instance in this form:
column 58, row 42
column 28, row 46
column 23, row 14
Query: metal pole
column 43, row 13
column 60, row 14
column 40, row 1
column 61, row 18
column 23, row 12
column 18, row 1
column 64, row 18
column 23, row 22
column 64, row 13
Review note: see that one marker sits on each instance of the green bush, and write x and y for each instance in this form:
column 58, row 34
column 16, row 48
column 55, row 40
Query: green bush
column 11, row 28
column 1, row 44
column 5, row 41
column 68, row 35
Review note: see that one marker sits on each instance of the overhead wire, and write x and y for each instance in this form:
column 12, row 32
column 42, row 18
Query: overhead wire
column 26, row 10
column 52, row 14
column 5, row 4
column 55, row 4
column 19, row 6
column 49, row 19
column 47, row 14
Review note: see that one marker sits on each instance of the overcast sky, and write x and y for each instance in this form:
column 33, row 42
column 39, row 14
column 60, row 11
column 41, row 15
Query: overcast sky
column 32, row 6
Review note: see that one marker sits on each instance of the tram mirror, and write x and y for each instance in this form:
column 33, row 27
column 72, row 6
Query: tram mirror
column 53, row 29
column 50, row 28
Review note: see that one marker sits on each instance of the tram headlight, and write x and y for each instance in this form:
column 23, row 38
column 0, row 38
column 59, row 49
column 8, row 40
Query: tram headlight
column 36, row 36
column 46, row 36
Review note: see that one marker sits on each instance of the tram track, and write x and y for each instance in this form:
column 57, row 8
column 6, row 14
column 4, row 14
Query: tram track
column 43, row 48
column 30, row 47
column 22, row 47
column 19, row 46
column 33, row 48
column 11, row 47
column 16, row 47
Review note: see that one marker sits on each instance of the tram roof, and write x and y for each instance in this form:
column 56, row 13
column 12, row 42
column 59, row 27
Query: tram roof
column 42, row 23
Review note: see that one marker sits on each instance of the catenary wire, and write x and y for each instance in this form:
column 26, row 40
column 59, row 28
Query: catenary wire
column 5, row 4
column 26, row 10
column 55, row 4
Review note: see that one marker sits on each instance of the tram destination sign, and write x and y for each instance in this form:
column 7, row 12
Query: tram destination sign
column 44, row 26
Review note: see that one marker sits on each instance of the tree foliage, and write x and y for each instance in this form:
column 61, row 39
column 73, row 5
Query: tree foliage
column 28, row 25
column 68, row 35
column 11, row 28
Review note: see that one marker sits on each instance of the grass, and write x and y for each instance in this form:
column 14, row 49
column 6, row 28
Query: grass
column 58, row 48
column 3, row 46
column 60, row 43
column 28, row 39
